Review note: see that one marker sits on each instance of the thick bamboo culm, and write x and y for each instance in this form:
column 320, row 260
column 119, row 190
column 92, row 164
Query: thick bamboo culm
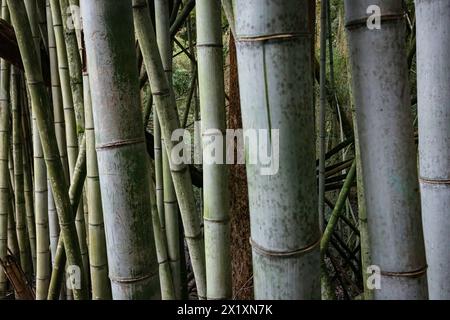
column 121, row 154
column 168, row 116
column 433, row 99
column 388, row 156
column 41, row 108
column 285, row 267
column 215, row 176
column 5, row 131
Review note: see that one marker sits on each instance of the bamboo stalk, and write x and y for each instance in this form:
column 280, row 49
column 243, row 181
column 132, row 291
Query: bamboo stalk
column 168, row 115
column 162, row 25
column 215, row 176
column 120, row 144
column 101, row 286
column 75, row 194
column 322, row 111
column 165, row 273
column 71, row 103
column 275, row 67
column 40, row 104
column 5, row 132
column 388, row 155
column 362, row 216
column 21, row 227
column 433, row 79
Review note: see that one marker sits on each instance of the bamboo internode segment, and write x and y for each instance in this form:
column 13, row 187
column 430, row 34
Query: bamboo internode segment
column 433, row 103
column 388, row 155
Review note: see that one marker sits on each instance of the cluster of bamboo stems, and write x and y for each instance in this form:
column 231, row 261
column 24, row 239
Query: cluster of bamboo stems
column 87, row 211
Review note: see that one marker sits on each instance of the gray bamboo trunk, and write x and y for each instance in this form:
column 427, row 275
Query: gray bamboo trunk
column 388, row 156
column 122, row 159
column 274, row 59
column 433, row 79
column 215, row 176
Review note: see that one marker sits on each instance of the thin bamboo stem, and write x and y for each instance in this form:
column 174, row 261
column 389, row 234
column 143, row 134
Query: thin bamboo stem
column 162, row 24
column 215, row 176
column 322, row 112
column 101, row 286
column 5, row 132
column 168, row 115
column 41, row 108
column 21, row 226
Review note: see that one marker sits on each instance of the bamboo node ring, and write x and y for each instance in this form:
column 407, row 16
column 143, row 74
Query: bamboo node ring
column 119, row 143
column 217, row 221
column 286, row 254
column 434, row 181
column 131, row 280
column 362, row 22
column 276, row 36
column 209, row 45
column 407, row 274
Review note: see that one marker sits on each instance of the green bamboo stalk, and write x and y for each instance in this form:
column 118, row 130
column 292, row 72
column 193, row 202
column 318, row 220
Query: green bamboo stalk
column 362, row 216
column 21, row 227
column 120, row 144
column 70, row 116
column 75, row 66
column 42, row 21
column 76, row 86
column 11, row 167
column 339, row 206
column 101, row 286
column 75, row 194
column 162, row 26
column 165, row 273
column 322, row 111
column 57, row 99
column 168, row 115
column 37, row 224
column 13, row 243
column 4, row 158
column 40, row 171
column 41, row 106
column 59, row 124
column 215, row 176
column 327, row 288
column 29, row 203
